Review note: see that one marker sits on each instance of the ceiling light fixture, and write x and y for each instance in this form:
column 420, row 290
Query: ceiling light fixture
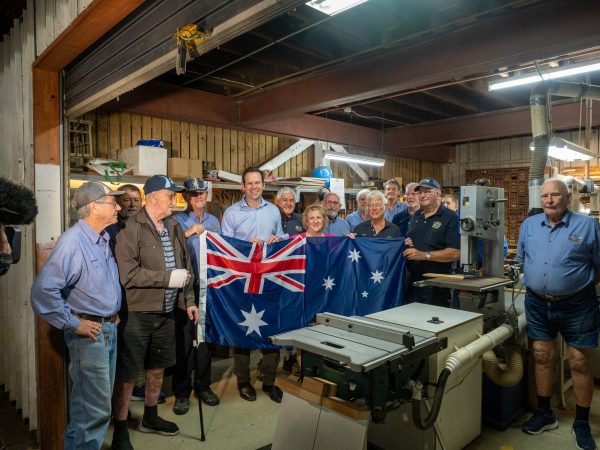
column 333, row 7
column 357, row 159
column 566, row 150
column 565, row 71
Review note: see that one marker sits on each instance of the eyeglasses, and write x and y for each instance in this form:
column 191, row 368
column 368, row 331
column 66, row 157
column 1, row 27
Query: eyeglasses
column 197, row 193
column 331, row 202
column 375, row 206
column 114, row 204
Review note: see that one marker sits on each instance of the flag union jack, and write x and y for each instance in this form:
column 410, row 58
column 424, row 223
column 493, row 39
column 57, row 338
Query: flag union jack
column 229, row 264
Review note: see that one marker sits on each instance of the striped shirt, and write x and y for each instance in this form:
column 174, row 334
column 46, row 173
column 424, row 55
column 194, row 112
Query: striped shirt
column 169, row 252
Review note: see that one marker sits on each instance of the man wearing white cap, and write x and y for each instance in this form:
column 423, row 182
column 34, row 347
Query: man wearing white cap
column 78, row 292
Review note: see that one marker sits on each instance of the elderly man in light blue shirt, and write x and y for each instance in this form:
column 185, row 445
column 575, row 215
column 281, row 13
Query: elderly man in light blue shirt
column 256, row 220
column 560, row 251
column 362, row 212
column 78, row 292
column 337, row 226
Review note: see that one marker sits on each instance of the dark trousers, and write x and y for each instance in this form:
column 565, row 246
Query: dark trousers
column 189, row 358
column 428, row 294
column 268, row 365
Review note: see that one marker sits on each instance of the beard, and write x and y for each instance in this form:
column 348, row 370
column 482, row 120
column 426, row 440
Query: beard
column 332, row 214
column 125, row 214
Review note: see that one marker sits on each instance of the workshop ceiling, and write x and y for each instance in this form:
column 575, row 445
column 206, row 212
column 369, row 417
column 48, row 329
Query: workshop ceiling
column 308, row 48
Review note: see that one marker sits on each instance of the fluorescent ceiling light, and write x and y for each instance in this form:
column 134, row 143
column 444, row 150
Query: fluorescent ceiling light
column 567, row 151
column 565, row 71
column 333, row 7
column 357, row 159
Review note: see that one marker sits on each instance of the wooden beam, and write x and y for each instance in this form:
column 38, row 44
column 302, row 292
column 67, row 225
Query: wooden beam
column 537, row 32
column 46, row 116
column 485, row 126
column 93, row 22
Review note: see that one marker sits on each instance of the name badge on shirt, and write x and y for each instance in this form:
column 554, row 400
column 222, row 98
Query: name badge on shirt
column 576, row 239
column 435, row 225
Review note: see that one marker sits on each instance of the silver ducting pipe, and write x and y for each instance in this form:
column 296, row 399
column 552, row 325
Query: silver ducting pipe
column 541, row 132
column 509, row 376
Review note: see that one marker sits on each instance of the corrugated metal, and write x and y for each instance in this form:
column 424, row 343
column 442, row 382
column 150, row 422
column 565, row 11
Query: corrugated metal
column 142, row 47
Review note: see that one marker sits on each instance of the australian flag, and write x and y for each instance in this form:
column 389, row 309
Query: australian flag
column 253, row 292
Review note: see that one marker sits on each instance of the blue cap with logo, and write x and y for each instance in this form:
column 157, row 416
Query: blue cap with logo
column 158, row 182
column 428, row 183
column 195, row 184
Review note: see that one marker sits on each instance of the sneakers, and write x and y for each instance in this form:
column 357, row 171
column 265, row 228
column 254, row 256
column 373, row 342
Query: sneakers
column 540, row 421
column 139, row 394
column 151, row 423
column 181, row 406
column 583, row 435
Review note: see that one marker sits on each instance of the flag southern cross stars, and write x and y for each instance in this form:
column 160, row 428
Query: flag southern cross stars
column 250, row 292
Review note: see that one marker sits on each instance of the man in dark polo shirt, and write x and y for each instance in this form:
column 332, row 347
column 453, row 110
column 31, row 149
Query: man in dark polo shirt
column 433, row 244
column 377, row 225
column 291, row 222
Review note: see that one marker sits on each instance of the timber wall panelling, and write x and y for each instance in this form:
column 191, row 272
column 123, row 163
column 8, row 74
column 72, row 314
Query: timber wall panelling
column 42, row 22
column 233, row 150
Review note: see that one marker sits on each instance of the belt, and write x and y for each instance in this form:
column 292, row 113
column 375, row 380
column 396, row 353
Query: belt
column 557, row 298
column 98, row 319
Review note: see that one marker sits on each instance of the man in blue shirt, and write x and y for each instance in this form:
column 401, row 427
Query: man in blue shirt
column 194, row 221
column 78, row 292
column 337, row 226
column 362, row 212
column 256, row 220
column 560, row 252
column 391, row 189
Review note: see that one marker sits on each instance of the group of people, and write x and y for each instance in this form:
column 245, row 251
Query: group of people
column 123, row 286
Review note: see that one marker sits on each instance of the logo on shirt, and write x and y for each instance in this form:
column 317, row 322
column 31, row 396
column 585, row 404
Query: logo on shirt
column 575, row 238
column 435, row 225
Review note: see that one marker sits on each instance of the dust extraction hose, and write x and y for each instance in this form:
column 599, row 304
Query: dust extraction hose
column 512, row 374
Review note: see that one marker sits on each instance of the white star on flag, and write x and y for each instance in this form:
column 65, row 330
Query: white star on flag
column 329, row 283
column 354, row 255
column 365, row 294
column 253, row 321
column 377, row 276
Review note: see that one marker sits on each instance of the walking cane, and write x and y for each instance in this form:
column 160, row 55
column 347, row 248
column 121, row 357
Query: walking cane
column 196, row 343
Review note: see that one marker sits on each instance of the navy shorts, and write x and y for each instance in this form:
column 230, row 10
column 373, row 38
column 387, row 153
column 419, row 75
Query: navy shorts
column 576, row 318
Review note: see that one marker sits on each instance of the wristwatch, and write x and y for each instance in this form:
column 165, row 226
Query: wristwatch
column 428, row 256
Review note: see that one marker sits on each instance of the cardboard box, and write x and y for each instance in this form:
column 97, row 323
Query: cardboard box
column 146, row 161
column 184, row 168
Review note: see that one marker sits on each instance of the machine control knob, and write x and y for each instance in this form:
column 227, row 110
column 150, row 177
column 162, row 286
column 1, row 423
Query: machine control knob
column 467, row 224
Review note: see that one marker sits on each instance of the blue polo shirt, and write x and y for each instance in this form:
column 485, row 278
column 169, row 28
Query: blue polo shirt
column 337, row 227
column 560, row 260
column 355, row 218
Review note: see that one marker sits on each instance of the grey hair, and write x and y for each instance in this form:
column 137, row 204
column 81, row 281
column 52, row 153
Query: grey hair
column 284, row 190
column 83, row 212
column 362, row 192
column 377, row 196
column 331, row 193
column 412, row 186
column 564, row 189
column 392, row 181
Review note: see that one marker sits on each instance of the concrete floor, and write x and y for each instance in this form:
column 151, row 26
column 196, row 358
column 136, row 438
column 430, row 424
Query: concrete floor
column 236, row 424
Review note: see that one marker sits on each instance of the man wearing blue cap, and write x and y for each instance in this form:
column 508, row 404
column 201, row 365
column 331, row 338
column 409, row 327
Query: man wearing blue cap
column 155, row 271
column 78, row 292
column 433, row 244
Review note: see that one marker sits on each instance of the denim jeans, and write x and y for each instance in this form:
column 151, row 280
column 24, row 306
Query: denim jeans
column 92, row 371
